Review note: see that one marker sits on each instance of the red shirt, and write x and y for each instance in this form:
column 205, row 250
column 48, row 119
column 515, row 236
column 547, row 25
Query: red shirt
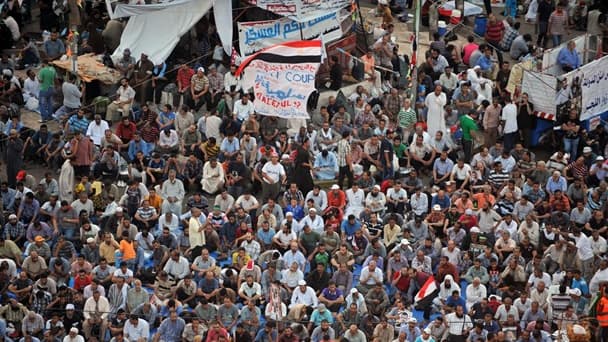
column 184, row 76
column 81, row 283
column 126, row 132
column 337, row 200
column 467, row 51
column 494, row 32
column 403, row 284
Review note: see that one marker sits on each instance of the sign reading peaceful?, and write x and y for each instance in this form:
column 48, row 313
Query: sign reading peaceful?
column 281, row 89
column 256, row 35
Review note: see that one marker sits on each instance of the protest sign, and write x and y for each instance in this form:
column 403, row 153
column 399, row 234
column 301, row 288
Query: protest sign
column 282, row 77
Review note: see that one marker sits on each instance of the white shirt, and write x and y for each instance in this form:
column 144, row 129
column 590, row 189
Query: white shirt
column 456, row 324
column 583, row 244
column 134, row 333
column 31, row 87
column 316, row 223
column 320, row 199
column 177, row 269
column 96, row 132
column 461, row 173
column 242, row 111
column 77, row 338
column 274, row 171
column 171, row 140
column 509, row 115
column 356, row 199
column 599, row 246
column 125, row 95
column 309, row 298
column 102, row 306
column 476, row 293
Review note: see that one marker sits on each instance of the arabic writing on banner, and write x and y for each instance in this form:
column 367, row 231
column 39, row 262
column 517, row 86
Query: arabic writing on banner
column 281, row 89
column 256, row 35
column 594, row 82
column 301, row 10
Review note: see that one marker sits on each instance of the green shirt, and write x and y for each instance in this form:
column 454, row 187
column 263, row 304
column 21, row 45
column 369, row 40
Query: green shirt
column 47, row 78
column 407, row 117
column 400, row 150
column 467, row 124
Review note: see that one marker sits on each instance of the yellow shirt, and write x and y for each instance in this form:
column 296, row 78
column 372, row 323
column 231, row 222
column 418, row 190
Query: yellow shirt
column 107, row 251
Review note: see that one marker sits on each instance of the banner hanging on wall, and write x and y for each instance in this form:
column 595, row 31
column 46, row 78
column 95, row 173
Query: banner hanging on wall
column 301, row 10
column 256, row 35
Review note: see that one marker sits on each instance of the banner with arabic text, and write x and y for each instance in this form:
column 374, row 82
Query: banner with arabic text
column 301, row 10
column 256, row 35
column 282, row 77
column 594, row 82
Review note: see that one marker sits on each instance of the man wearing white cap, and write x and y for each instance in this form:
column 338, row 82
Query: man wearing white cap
column 73, row 336
column 597, row 172
column 314, row 221
column 376, row 200
column 199, row 90
column 303, row 301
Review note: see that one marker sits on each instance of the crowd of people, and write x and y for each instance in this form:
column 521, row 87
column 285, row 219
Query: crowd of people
column 382, row 218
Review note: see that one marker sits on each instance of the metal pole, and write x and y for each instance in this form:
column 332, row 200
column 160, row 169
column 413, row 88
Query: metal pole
column 414, row 58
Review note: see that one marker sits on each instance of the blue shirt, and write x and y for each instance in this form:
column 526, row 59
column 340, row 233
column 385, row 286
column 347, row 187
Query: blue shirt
column 229, row 146
column 135, row 147
column 568, row 58
column 560, row 184
column 581, row 285
column 160, row 71
column 10, row 125
column 350, row 229
column 455, row 302
column 171, row 331
column 443, row 202
column 266, row 237
column 485, row 63
column 8, row 199
column 165, row 118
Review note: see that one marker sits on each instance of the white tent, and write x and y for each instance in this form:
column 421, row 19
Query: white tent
column 156, row 29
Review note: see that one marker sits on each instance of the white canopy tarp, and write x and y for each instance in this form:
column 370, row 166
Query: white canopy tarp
column 156, row 29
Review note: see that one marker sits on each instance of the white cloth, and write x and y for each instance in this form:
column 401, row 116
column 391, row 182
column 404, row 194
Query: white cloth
column 435, row 118
column 143, row 32
column 509, row 115
column 66, row 182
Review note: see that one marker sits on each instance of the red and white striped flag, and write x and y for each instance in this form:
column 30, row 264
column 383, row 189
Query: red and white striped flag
column 427, row 289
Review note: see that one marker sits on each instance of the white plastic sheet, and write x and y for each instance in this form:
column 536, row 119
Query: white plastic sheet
column 156, row 29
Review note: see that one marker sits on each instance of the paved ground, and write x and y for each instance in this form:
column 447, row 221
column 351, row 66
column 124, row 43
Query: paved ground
column 403, row 34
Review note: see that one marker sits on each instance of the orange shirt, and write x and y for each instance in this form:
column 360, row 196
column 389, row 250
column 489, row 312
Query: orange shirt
column 127, row 250
column 155, row 202
column 482, row 199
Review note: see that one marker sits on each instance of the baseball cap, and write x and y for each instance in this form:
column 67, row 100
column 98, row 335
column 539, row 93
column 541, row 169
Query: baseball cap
column 201, row 69
column 437, row 207
column 90, row 240
column 475, row 230
column 12, row 217
column 302, row 282
column 587, row 149
column 70, row 307
column 405, row 242
column 74, row 330
column 321, row 307
column 39, row 238
column 335, row 187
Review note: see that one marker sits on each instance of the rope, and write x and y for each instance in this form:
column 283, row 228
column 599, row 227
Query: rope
column 360, row 60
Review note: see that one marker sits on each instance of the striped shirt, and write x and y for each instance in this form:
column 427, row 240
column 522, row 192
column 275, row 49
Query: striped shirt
column 407, row 117
column 497, row 179
column 343, row 152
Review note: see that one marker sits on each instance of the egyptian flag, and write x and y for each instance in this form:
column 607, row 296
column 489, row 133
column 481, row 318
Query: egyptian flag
column 295, row 52
column 429, row 287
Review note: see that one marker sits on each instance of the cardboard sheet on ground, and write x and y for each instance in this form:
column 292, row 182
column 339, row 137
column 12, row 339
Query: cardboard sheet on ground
column 90, row 69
